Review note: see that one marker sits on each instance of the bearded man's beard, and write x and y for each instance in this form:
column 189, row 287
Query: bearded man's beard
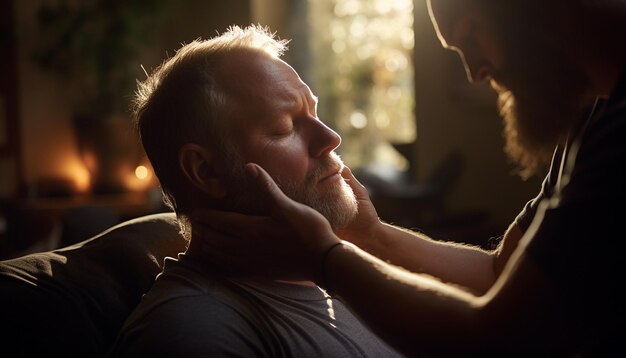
column 529, row 141
column 540, row 99
column 337, row 204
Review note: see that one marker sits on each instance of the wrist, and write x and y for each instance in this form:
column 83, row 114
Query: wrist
column 322, row 280
column 370, row 237
column 378, row 239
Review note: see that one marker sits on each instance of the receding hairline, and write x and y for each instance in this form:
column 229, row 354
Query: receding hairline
column 253, row 38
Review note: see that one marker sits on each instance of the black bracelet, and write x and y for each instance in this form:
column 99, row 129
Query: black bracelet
column 324, row 281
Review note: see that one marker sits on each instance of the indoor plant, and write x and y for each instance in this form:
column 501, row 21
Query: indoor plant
column 92, row 46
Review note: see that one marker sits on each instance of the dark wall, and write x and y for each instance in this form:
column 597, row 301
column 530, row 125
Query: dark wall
column 192, row 19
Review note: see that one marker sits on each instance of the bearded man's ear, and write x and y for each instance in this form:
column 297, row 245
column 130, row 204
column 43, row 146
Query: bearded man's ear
column 200, row 167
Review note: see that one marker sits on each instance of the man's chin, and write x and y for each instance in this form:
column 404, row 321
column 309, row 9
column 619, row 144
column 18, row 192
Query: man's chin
column 532, row 132
column 338, row 205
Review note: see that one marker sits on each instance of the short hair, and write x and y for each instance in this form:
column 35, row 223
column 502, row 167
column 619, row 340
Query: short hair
column 182, row 102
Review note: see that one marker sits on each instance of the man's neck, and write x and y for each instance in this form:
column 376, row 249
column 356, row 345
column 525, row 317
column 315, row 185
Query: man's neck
column 196, row 249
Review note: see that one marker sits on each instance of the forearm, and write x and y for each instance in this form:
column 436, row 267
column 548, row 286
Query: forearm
column 400, row 306
column 464, row 265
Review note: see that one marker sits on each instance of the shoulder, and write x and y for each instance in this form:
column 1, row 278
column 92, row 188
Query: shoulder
column 183, row 291
column 601, row 154
column 587, row 210
column 178, row 319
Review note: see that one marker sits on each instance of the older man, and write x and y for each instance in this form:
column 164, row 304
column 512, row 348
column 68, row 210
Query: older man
column 202, row 115
column 552, row 287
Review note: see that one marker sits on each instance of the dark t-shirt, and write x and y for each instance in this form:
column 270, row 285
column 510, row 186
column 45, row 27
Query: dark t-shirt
column 575, row 223
column 192, row 312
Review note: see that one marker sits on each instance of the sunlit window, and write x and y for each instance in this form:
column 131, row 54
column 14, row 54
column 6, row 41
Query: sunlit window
column 362, row 71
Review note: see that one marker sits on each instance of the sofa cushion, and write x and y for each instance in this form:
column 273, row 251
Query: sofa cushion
column 72, row 301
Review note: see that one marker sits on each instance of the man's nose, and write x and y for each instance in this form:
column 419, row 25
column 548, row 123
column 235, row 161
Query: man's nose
column 323, row 139
column 477, row 68
column 478, row 71
column 479, row 74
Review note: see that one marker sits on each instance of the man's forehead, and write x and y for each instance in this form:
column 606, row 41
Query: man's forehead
column 251, row 69
column 265, row 83
column 445, row 14
column 292, row 96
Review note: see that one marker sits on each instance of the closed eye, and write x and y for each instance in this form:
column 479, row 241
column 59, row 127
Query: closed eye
column 284, row 130
column 469, row 42
column 283, row 133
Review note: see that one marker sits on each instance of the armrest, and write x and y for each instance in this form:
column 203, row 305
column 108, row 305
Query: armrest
column 74, row 300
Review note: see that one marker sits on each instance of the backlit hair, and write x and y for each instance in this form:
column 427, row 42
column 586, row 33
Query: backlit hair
column 182, row 102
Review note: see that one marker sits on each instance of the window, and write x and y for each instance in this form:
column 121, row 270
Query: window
column 361, row 68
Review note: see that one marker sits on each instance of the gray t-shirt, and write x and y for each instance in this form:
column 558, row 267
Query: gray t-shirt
column 190, row 312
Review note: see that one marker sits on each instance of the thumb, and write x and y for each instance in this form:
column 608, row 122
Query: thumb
column 360, row 191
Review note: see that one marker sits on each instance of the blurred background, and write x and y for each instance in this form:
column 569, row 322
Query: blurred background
column 425, row 142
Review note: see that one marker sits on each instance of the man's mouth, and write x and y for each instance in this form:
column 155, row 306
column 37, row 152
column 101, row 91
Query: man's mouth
column 336, row 171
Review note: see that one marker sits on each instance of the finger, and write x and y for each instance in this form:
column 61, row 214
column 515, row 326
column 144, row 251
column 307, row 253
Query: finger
column 218, row 250
column 206, row 221
column 359, row 189
column 207, row 216
column 225, row 256
column 280, row 204
column 285, row 209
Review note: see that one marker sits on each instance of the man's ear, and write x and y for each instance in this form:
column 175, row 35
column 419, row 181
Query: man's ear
column 201, row 169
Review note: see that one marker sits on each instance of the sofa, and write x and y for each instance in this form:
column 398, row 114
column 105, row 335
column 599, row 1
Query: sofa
column 72, row 301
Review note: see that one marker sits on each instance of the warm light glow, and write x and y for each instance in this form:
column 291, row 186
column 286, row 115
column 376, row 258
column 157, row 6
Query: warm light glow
column 141, row 172
column 83, row 179
column 140, row 179
column 79, row 174
column 363, row 74
column 358, row 120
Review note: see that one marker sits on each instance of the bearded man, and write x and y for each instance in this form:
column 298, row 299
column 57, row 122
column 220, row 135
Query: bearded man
column 204, row 113
column 552, row 286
